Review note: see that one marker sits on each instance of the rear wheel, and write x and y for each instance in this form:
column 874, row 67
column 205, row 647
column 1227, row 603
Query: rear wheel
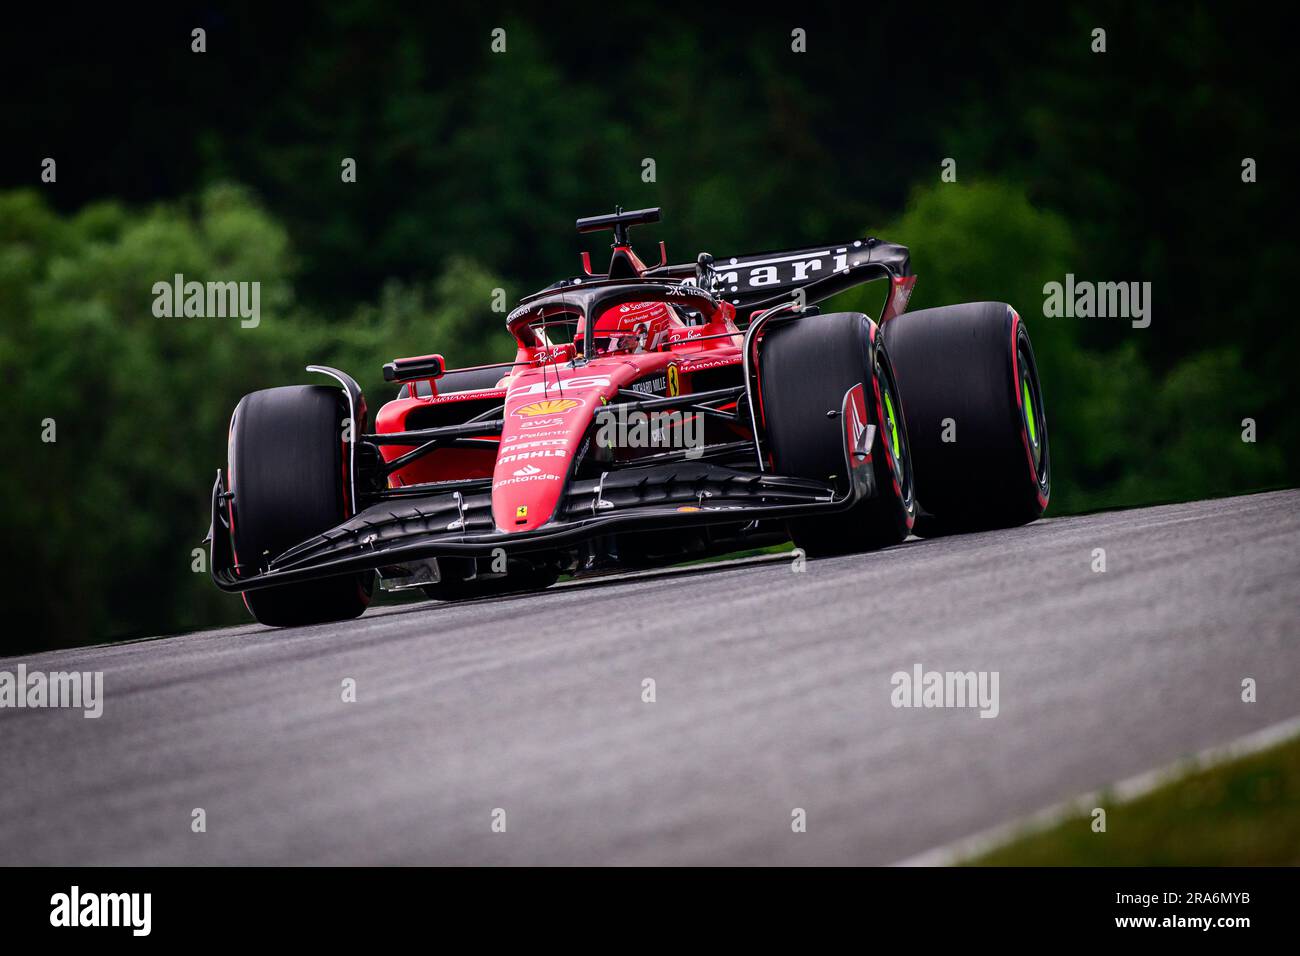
column 287, row 474
column 974, row 403
column 806, row 368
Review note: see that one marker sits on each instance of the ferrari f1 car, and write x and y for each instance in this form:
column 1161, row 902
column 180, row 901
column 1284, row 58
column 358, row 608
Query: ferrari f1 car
column 650, row 414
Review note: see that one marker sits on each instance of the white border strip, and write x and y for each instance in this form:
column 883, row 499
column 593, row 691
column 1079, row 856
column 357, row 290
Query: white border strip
column 1125, row 791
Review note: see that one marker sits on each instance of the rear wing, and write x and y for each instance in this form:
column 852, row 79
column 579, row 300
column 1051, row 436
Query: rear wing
column 765, row 279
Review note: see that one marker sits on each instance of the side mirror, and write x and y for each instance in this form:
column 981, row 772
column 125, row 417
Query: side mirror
column 413, row 369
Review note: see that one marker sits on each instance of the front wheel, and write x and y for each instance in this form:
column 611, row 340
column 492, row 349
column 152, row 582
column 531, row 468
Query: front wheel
column 807, row 367
column 287, row 472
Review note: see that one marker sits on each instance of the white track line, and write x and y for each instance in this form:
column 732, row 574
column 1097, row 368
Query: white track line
column 1123, row 792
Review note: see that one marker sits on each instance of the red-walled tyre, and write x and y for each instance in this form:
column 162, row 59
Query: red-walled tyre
column 286, row 471
column 806, row 367
column 974, row 408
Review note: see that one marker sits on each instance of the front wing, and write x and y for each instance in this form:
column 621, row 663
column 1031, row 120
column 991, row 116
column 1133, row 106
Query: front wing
column 458, row 524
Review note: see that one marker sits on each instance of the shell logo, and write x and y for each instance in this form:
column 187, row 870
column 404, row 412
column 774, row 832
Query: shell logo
column 554, row 406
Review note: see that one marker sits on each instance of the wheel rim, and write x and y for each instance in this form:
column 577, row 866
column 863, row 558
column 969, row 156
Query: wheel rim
column 1031, row 407
column 894, row 438
column 892, row 422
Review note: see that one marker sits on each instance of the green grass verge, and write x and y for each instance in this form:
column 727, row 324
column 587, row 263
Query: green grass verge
column 1242, row 813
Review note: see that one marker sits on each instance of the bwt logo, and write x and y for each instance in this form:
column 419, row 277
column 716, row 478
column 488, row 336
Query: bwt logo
column 73, row 909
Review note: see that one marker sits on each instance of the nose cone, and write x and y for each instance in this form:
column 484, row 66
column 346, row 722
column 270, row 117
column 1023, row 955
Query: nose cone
column 538, row 443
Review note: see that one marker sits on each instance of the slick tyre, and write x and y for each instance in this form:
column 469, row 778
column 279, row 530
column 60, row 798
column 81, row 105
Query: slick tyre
column 805, row 369
column 287, row 473
column 974, row 406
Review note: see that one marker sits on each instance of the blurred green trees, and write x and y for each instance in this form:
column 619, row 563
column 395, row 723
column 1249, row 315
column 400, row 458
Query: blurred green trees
column 102, row 521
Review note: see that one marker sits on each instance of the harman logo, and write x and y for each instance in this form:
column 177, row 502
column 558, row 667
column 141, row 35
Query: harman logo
column 700, row 365
column 553, row 406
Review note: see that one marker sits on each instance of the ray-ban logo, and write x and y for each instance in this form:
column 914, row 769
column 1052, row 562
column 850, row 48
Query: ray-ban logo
column 212, row 300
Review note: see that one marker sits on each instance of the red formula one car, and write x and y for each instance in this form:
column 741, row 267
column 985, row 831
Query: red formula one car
column 650, row 414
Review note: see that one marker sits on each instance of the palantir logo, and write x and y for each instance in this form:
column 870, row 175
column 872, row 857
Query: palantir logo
column 74, row 908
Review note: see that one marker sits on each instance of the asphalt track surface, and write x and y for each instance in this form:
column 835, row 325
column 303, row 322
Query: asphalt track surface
column 773, row 692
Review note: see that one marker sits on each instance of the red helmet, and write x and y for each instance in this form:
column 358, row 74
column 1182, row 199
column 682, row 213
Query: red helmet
column 634, row 326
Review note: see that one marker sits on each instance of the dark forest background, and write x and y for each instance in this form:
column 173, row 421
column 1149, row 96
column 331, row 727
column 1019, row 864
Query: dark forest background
column 472, row 165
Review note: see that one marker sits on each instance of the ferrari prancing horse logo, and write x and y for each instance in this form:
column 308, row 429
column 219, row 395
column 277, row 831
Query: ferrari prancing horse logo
column 674, row 381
